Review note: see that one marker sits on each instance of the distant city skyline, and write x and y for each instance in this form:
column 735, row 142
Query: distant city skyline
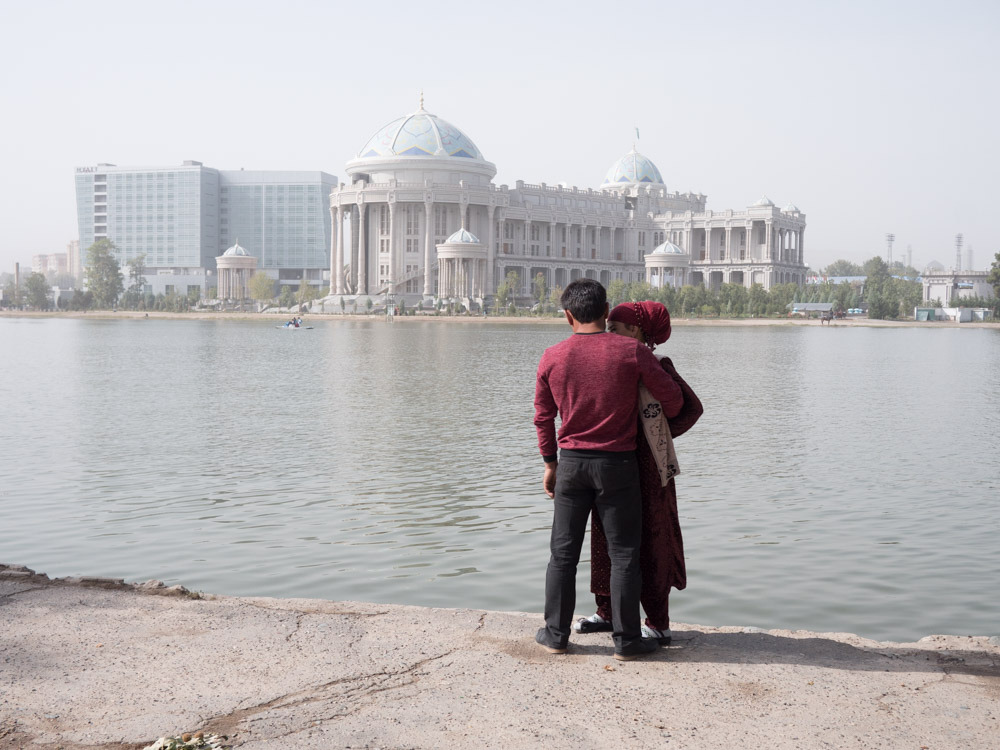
column 873, row 120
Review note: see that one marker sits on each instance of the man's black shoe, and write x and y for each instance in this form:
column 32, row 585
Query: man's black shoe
column 636, row 649
column 542, row 639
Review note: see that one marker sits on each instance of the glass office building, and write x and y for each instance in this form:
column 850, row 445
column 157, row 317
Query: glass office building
column 281, row 218
column 183, row 217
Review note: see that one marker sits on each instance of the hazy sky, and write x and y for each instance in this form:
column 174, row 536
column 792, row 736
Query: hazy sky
column 872, row 117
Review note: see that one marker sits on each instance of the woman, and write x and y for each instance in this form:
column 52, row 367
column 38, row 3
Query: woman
column 662, row 555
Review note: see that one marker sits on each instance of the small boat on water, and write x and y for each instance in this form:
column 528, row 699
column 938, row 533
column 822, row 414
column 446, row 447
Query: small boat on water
column 295, row 324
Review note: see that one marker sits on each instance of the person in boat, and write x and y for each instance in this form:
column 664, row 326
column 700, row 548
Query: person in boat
column 591, row 381
column 661, row 557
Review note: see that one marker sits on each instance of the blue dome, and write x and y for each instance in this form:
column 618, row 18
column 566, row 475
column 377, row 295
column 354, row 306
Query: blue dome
column 668, row 248
column 420, row 134
column 236, row 250
column 463, row 236
column 632, row 169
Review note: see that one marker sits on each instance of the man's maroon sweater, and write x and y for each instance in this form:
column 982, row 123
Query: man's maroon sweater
column 591, row 380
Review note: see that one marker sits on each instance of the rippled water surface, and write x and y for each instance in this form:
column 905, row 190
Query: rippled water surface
column 842, row 479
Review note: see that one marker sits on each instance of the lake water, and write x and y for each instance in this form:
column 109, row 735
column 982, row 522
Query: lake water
column 841, row 479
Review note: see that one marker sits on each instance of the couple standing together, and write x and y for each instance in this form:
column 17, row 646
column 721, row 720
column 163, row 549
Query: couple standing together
column 615, row 458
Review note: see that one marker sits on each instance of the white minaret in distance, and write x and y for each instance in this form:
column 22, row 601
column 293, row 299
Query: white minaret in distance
column 958, row 252
column 889, row 239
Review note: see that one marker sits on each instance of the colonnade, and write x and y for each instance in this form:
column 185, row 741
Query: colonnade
column 360, row 252
column 780, row 244
column 612, row 242
column 234, row 283
column 462, row 277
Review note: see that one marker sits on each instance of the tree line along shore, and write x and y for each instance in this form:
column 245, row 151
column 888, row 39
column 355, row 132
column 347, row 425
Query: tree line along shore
column 881, row 291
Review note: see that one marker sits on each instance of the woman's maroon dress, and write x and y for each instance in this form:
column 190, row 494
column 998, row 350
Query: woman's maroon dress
column 662, row 551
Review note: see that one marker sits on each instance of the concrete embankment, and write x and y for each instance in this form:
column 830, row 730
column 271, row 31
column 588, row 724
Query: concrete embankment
column 96, row 663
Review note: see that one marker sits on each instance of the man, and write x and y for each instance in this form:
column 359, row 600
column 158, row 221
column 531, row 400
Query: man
column 591, row 381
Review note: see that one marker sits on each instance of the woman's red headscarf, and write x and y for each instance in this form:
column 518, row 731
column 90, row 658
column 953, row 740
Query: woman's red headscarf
column 652, row 318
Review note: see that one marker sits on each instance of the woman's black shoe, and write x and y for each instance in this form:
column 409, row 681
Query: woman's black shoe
column 593, row 624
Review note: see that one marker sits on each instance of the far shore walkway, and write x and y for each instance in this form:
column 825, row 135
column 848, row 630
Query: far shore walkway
column 96, row 663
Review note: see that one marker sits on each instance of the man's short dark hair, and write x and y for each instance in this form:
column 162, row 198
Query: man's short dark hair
column 586, row 299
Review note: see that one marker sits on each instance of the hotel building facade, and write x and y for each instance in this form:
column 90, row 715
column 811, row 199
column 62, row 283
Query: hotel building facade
column 183, row 217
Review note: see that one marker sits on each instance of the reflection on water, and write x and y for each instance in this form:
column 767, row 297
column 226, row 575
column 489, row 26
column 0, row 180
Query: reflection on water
column 841, row 479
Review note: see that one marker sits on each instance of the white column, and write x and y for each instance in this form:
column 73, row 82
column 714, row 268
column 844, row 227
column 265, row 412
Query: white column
column 729, row 244
column 429, row 252
column 334, row 234
column 354, row 246
column 391, row 277
column 339, row 260
column 490, row 238
column 362, row 249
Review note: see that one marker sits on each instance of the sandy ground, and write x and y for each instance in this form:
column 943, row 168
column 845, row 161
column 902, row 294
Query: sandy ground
column 313, row 318
column 94, row 663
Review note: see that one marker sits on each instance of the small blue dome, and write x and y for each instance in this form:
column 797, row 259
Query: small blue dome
column 764, row 201
column 632, row 169
column 236, row 250
column 420, row 134
column 668, row 248
column 463, row 237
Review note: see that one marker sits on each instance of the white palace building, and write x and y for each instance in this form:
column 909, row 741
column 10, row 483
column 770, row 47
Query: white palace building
column 422, row 220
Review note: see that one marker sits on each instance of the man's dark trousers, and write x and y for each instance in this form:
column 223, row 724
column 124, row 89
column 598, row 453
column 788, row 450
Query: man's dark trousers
column 608, row 483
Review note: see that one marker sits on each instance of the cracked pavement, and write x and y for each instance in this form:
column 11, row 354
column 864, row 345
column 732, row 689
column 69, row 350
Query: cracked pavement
column 93, row 663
